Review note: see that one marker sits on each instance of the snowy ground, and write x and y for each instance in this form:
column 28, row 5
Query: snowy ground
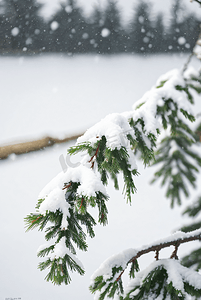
column 58, row 95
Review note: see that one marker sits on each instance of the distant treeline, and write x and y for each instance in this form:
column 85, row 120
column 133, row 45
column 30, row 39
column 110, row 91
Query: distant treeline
column 22, row 29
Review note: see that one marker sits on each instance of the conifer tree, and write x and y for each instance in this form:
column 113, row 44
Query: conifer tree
column 69, row 30
column 141, row 31
column 2, row 26
column 176, row 37
column 112, row 35
column 159, row 35
column 160, row 120
column 97, row 25
column 189, row 32
column 193, row 211
column 25, row 28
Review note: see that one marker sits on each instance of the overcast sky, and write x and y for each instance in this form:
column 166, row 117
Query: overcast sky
column 126, row 6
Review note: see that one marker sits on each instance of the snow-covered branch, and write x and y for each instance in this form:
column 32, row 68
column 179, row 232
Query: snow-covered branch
column 174, row 240
column 110, row 272
column 107, row 149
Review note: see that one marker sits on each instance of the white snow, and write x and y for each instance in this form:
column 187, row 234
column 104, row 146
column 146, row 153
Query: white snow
column 15, row 31
column 54, row 25
column 141, row 19
column 173, row 147
column 60, row 250
column 105, row 32
column 181, row 40
column 176, row 274
column 85, row 35
column 28, row 41
column 120, row 259
column 89, row 182
column 54, row 195
column 155, row 96
column 37, row 31
column 146, row 39
column 114, row 127
column 123, row 258
column 197, row 51
column 68, row 9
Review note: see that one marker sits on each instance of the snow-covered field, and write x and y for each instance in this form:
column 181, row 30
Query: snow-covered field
column 59, row 95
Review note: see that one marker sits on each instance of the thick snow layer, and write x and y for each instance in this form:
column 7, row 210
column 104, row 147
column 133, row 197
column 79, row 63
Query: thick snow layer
column 120, row 259
column 176, row 274
column 123, row 258
column 58, row 95
column 89, row 182
column 114, row 127
column 154, row 98
column 54, row 194
column 60, row 250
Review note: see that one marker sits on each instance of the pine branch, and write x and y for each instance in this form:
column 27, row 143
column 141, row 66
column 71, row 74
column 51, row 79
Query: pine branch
column 110, row 148
column 193, row 259
column 156, row 248
column 166, row 279
column 110, row 273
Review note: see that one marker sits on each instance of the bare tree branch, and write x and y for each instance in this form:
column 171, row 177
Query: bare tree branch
column 26, row 147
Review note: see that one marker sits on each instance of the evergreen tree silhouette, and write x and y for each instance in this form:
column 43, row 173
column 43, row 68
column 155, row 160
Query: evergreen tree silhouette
column 190, row 29
column 69, row 30
column 141, row 31
column 177, row 13
column 24, row 26
column 4, row 43
column 159, row 35
column 97, row 25
column 112, row 34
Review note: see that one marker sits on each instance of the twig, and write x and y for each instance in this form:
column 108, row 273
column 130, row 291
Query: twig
column 158, row 247
column 81, row 203
column 67, row 186
column 95, row 155
column 174, row 253
column 157, row 254
column 36, row 219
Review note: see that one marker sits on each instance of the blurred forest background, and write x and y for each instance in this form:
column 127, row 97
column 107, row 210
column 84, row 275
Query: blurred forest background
column 23, row 30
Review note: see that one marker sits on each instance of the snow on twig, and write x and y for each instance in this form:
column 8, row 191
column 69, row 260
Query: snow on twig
column 124, row 258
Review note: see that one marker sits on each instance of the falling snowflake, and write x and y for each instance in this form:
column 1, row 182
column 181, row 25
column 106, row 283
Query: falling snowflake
column 181, row 40
column 29, row 41
column 54, row 25
column 141, row 19
column 85, row 36
column 37, row 31
column 145, row 39
column 68, row 9
column 15, row 31
column 105, row 32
